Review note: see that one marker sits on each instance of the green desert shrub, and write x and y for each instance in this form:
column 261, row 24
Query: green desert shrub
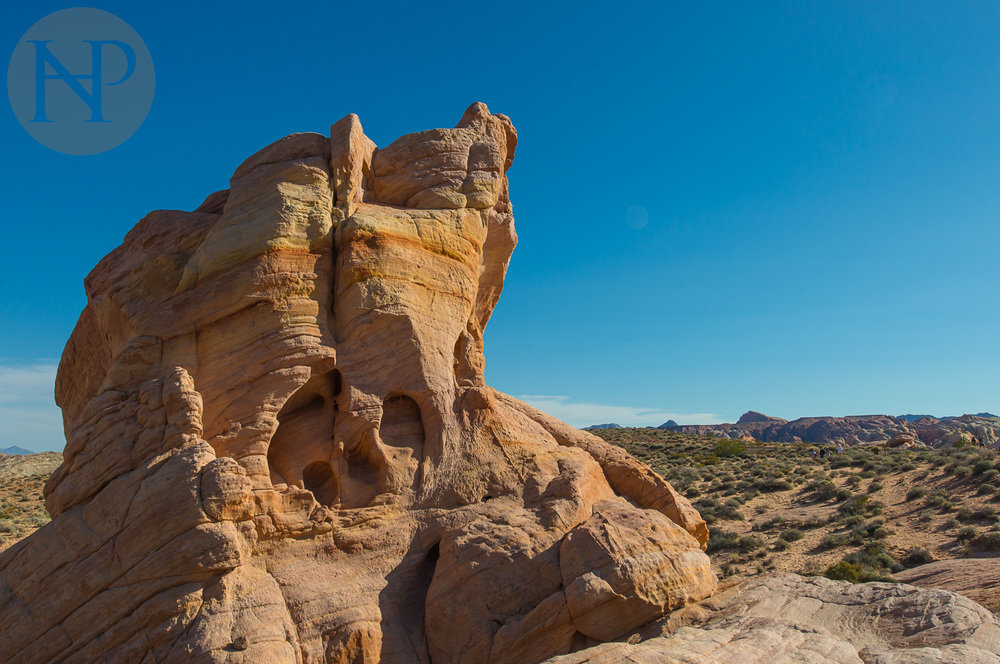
column 749, row 543
column 917, row 556
column 729, row 513
column 774, row 522
column 874, row 556
column 966, row 533
column 772, row 484
column 880, row 533
column 854, row 505
column 720, row 540
column 941, row 501
column 822, row 489
column 982, row 466
column 987, row 514
column 916, row 492
column 729, row 448
column 846, row 571
column 992, row 540
column 791, row 535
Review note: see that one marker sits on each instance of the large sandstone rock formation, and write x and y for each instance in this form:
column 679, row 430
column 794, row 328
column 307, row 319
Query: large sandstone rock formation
column 281, row 447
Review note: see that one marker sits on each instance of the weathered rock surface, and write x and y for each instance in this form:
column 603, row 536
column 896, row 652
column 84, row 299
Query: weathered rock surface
column 976, row 578
column 854, row 429
column 26, row 465
column 789, row 618
column 281, row 447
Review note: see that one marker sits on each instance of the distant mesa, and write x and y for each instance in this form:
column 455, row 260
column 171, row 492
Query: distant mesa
column 14, row 450
column 609, row 425
column 754, row 416
column 669, row 423
column 914, row 418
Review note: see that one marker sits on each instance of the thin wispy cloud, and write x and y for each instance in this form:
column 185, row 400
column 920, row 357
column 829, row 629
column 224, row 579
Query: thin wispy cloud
column 28, row 408
column 583, row 414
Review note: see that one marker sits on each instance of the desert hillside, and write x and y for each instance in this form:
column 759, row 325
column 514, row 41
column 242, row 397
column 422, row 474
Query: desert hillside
column 867, row 514
column 22, row 510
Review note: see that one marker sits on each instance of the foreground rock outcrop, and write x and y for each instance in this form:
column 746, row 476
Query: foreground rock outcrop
column 976, row 578
column 281, row 446
column 789, row 618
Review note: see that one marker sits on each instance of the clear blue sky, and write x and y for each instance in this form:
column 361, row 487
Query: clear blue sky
column 820, row 182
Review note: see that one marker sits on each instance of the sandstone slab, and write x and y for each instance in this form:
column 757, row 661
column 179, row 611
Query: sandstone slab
column 789, row 618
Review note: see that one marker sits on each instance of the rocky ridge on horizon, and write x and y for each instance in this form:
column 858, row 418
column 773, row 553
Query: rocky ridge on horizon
column 853, row 429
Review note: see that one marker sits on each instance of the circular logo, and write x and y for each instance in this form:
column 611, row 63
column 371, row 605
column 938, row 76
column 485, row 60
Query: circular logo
column 81, row 81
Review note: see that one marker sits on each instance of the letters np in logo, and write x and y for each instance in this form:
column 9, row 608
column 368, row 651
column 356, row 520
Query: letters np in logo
column 81, row 81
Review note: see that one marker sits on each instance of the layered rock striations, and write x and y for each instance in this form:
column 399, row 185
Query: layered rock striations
column 281, row 446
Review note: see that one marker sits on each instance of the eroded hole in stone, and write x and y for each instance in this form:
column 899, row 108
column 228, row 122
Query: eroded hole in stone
column 318, row 477
column 305, row 435
column 338, row 382
column 360, row 466
column 402, row 434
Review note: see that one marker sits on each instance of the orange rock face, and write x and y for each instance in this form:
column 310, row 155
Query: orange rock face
column 281, row 446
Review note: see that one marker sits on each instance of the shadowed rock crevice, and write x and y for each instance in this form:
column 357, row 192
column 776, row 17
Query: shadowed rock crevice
column 403, row 602
column 402, row 433
column 318, row 477
column 305, row 433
